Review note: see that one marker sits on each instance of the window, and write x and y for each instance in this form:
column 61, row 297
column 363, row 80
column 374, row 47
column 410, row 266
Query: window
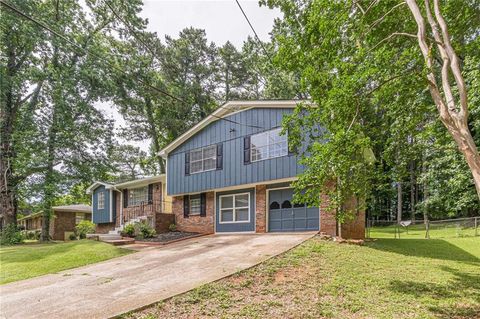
column 203, row 159
column 79, row 217
column 268, row 144
column 235, row 208
column 138, row 196
column 195, row 205
column 101, row 200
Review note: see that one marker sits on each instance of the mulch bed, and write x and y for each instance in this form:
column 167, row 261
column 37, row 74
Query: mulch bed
column 169, row 237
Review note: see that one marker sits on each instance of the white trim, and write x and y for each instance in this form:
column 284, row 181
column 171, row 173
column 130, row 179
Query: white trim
column 111, row 205
column 90, row 189
column 233, row 209
column 227, row 109
column 141, row 182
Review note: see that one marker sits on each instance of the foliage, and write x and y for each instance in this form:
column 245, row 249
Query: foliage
column 145, row 230
column 367, row 81
column 84, row 227
column 129, row 230
column 26, row 261
column 10, row 235
column 72, row 237
column 172, row 227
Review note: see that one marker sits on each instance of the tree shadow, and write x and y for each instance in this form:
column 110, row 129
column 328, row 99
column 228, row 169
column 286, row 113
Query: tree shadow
column 463, row 285
column 427, row 248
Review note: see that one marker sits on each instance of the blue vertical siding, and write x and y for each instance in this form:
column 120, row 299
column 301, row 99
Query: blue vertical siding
column 100, row 216
column 234, row 171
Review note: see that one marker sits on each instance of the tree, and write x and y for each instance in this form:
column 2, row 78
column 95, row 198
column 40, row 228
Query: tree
column 127, row 161
column 452, row 99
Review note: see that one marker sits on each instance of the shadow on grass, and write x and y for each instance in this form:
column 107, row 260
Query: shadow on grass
column 456, row 298
column 431, row 248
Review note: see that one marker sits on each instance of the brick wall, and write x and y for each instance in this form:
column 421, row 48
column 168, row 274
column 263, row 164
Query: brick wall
column 163, row 221
column 148, row 210
column 104, row 228
column 64, row 221
column 354, row 228
column 328, row 223
column 197, row 224
column 260, row 208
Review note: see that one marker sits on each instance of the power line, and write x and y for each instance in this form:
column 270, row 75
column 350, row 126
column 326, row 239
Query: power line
column 137, row 37
column 64, row 38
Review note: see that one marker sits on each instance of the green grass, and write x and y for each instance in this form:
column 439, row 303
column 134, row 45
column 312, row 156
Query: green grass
column 386, row 278
column 417, row 231
column 26, row 261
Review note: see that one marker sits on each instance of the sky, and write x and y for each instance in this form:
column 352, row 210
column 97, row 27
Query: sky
column 222, row 21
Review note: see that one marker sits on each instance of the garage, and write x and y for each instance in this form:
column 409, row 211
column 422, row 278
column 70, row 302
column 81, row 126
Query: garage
column 284, row 216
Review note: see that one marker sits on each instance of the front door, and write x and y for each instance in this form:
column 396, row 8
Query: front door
column 284, row 216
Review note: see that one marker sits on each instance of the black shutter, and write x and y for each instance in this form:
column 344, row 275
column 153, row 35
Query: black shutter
column 203, row 204
column 246, row 150
column 187, row 163
column 150, row 193
column 186, row 206
column 219, row 156
column 125, row 198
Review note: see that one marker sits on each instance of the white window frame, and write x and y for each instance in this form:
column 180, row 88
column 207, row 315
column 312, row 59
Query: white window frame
column 267, row 146
column 234, row 208
column 136, row 200
column 203, row 159
column 195, row 198
column 101, row 200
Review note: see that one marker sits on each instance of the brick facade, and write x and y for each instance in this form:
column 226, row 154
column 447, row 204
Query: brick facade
column 197, row 224
column 261, row 208
column 163, row 221
column 104, row 228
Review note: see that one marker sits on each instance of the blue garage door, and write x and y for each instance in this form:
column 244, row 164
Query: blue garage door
column 284, row 216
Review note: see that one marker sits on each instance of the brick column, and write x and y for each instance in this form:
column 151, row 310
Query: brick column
column 328, row 223
column 261, row 208
column 355, row 228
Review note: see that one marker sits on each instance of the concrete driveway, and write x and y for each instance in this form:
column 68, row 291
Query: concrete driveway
column 118, row 285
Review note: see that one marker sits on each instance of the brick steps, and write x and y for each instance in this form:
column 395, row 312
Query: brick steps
column 120, row 242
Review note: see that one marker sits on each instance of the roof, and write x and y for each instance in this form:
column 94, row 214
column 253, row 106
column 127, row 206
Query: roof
column 134, row 183
column 77, row 208
column 224, row 110
column 30, row 216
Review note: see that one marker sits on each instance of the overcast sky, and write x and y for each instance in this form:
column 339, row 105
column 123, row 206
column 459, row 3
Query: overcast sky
column 222, row 21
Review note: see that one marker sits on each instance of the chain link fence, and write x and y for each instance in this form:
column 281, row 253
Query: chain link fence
column 447, row 228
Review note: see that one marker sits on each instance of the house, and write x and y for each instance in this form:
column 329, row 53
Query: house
column 114, row 205
column 231, row 173
column 63, row 222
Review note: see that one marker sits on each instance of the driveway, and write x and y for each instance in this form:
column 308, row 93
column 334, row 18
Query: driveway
column 126, row 283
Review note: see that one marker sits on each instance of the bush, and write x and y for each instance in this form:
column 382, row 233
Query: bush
column 172, row 227
column 30, row 235
column 72, row 237
column 128, row 230
column 146, row 230
column 10, row 235
column 83, row 228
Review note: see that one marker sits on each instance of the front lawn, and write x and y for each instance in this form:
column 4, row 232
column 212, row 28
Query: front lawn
column 25, row 261
column 387, row 278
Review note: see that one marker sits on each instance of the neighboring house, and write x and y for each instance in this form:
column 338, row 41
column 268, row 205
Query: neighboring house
column 114, row 205
column 233, row 175
column 63, row 222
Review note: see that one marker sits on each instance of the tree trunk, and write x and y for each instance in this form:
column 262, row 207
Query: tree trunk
column 154, row 134
column 399, row 202
column 412, row 191
column 453, row 111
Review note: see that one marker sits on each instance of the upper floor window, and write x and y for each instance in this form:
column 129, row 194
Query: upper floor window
column 138, row 196
column 203, row 159
column 268, row 144
column 101, row 200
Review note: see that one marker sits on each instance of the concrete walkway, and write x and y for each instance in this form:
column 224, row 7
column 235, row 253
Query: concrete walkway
column 126, row 283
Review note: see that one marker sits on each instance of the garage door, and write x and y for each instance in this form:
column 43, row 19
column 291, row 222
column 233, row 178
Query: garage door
column 284, row 216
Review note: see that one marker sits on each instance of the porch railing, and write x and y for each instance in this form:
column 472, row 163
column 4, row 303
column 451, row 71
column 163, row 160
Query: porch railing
column 144, row 210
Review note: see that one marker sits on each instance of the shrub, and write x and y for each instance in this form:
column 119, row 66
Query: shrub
column 30, row 235
column 83, row 228
column 37, row 234
column 129, row 230
column 172, row 227
column 72, row 237
column 146, row 230
column 10, row 235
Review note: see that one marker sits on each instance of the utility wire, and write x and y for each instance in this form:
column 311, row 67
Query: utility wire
column 147, row 47
column 64, row 38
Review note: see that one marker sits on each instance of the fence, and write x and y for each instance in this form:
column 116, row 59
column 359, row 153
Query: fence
column 447, row 228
